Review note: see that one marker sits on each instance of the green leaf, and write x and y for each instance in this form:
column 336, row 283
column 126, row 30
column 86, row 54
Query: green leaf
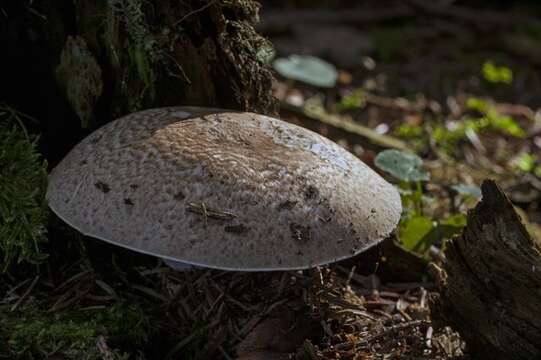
column 497, row 74
column 524, row 162
column 403, row 166
column 413, row 231
column 452, row 226
column 355, row 100
column 507, row 125
column 480, row 105
column 491, row 118
column 457, row 220
column 419, row 233
column 467, row 190
column 308, row 69
column 409, row 131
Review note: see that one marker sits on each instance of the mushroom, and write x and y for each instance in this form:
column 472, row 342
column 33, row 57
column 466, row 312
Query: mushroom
column 222, row 189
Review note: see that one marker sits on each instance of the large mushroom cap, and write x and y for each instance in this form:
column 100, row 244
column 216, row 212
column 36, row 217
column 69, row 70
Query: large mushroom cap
column 222, row 189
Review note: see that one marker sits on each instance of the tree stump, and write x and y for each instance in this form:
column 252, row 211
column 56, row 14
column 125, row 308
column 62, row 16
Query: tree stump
column 491, row 285
column 76, row 65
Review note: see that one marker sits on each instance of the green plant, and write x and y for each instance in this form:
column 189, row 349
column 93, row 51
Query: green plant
column 308, row 69
column 23, row 180
column 409, row 131
column 524, row 162
column 482, row 116
column 408, row 168
column 496, row 74
column 414, row 134
column 354, row 100
column 90, row 334
column 402, row 165
column 527, row 163
column 488, row 118
column 417, row 231
column 492, row 119
column 141, row 46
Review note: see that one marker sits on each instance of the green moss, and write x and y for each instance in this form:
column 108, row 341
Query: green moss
column 354, row 100
column 141, row 47
column 117, row 330
column 23, row 180
column 484, row 117
column 496, row 74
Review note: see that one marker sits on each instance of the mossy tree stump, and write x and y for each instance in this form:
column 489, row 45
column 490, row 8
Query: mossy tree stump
column 84, row 63
column 491, row 288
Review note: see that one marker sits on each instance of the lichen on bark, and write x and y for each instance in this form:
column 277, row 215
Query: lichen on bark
column 156, row 53
column 80, row 76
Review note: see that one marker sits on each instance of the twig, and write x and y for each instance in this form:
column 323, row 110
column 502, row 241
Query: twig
column 108, row 289
column 515, row 110
column 346, row 124
column 33, row 11
column 150, row 292
column 208, row 212
column 185, row 342
column 72, row 279
column 387, row 331
column 193, row 12
column 15, row 288
column 224, row 353
column 25, row 294
column 405, row 286
column 181, row 69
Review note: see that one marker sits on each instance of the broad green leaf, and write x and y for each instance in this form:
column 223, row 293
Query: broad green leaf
column 413, row 231
column 308, row 69
column 418, row 233
column 403, row 166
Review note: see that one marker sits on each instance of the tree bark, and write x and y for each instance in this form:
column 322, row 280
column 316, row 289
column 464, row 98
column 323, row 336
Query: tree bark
column 491, row 288
column 76, row 65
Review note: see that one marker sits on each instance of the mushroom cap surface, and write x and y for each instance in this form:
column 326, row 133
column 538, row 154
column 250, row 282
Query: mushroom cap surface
column 222, row 189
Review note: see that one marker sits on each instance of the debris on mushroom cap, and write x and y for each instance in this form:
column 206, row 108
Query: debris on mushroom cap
column 222, row 189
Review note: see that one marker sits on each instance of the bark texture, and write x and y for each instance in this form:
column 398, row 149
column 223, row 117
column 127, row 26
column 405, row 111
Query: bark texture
column 84, row 63
column 492, row 282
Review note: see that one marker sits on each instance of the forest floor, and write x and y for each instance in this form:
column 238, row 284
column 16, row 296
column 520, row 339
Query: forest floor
column 460, row 87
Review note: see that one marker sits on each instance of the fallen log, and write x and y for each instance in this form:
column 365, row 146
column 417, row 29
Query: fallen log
column 491, row 282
